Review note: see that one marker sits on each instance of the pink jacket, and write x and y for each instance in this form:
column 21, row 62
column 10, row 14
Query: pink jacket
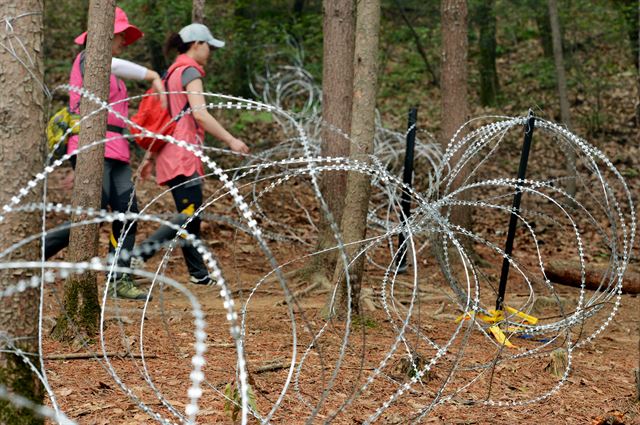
column 118, row 148
column 173, row 161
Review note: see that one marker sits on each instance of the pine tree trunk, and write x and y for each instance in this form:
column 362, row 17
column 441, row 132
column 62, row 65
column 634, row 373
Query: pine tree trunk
column 337, row 98
column 154, row 41
column 354, row 224
column 487, row 41
column 298, row 7
column 565, row 115
column 21, row 155
column 80, row 305
column 197, row 12
column 243, row 59
column 541, row 13
column 454, row 87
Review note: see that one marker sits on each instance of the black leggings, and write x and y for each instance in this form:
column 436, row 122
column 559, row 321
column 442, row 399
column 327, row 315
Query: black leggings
column 187, row 195
column 117, row 192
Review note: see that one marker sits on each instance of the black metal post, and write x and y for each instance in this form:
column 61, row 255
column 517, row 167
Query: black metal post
column 407, row 178
column 513, row 221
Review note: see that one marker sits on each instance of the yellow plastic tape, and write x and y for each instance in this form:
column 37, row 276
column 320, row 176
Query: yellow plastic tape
column 500, row 336
column 530, row 319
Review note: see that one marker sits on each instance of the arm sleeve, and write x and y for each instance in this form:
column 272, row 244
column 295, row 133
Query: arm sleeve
column 127, row 70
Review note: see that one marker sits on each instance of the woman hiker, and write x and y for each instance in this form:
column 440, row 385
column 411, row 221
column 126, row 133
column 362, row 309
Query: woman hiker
column 117, row 187
column 176, row 167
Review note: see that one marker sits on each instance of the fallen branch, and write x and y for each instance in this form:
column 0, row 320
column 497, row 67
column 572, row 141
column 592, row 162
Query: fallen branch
column 271, row 367
column 79, row 356
column 568, row 273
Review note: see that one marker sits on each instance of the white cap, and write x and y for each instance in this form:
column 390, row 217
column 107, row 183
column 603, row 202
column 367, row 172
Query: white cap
column 199, row 32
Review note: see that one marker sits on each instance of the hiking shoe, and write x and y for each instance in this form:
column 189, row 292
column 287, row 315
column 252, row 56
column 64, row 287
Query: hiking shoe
column 125, row 288
column 205, row 280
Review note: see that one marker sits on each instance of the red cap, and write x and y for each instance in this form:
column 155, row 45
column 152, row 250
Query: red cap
column 122, row 26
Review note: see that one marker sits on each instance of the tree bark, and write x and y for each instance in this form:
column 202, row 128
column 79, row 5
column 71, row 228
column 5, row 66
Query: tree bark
column 543, row 22
column 21, row 155
column 80, row 304
column 354, row 224
column 455, row 109
column 197, row 12
column 154, row 41
column 630, row 10
column 565, row 115
column 337, row 99
column 298, row 7
column 243, row 59
column 487, row 41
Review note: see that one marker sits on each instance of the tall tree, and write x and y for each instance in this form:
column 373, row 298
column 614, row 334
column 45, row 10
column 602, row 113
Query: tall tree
column 630, row 10
column 154, row 41
column 486, row 18
column 21, row 155
column 197, row 12
column 80, row 304
column 354, row 224
column 337, row 94
column 541, row 14
column 561, row 80
column 455, row 108
column 298, row 7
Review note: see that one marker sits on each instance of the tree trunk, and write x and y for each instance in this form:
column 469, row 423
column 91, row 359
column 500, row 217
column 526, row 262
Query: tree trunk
column 487, row 41
column 154, row 41
column 354, row 224
column 454, row 87
column 565, row 115
column 298, row 7
column 337, row 99
column 543, row 22
column 243, row 59
column 197, row 12
column 80, row 304
column 21, row 155
column 630, row 10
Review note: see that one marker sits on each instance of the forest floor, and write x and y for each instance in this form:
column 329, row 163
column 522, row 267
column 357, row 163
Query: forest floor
column 601, row 384
column 599, row 390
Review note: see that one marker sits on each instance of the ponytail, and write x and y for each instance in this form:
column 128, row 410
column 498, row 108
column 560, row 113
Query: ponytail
column 175, row 42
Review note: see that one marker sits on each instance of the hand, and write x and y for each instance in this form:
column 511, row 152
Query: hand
column 146, row 169
column 158, row 86
column 238, row 146
column 67, row 182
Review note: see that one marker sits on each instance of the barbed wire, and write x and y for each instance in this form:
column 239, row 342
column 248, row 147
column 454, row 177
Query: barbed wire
column 451, row 363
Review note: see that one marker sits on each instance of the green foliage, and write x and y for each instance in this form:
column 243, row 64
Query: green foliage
column 247, row 118
column 598, row 40
column 233, row 400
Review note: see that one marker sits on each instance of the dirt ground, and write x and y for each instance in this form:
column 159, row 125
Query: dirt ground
column 600, row 388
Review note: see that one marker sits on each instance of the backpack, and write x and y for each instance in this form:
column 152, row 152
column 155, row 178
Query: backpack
column 60, row 122
column 57, row 128
column 153, row 117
